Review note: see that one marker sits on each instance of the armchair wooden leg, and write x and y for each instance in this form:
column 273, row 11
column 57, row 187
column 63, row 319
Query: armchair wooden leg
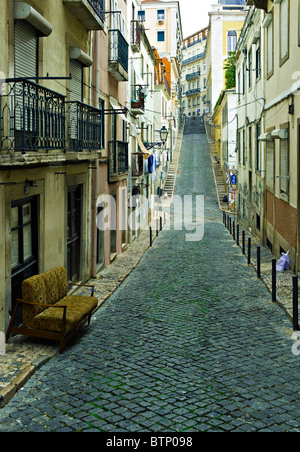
column 11, row 323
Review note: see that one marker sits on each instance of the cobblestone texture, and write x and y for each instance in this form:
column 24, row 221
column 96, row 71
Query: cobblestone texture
column 190, row 342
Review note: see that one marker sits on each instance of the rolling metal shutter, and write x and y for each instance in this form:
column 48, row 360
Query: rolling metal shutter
column 26, row 50
column 76, row 81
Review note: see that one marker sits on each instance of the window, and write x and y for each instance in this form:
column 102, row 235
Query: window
column 161, row 36
column 160, row 14
column 284, row 167
column 102, row 124
column 270, row 57
column 232, row 41
column 258, row 158
column 244, row 148
column 250, row 147
column 270, row 154
column 258, row 62
column 284, row 30
column 142, row 16
column 250, row 68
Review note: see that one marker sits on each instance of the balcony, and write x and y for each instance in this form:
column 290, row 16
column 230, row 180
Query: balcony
column 32, row 118
column 193, row 75
column 136, row 33
column 199, row 56
column 138, row 101
column 90, row 12
column 118, row 56
column 192, row 92
column 118, row 160
column 137, row 164
column 85, row 126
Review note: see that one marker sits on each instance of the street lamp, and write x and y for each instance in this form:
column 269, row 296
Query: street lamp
column 164, row 134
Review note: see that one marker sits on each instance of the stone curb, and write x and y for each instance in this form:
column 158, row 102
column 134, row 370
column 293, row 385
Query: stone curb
column 10, row 390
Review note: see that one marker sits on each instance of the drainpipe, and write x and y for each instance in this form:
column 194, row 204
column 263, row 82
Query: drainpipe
column 95, row 172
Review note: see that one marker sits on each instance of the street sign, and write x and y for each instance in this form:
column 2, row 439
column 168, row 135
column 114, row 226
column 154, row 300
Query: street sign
column 233, row 179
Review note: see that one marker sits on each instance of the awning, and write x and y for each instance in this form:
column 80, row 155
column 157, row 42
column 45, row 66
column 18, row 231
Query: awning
column 142, row 147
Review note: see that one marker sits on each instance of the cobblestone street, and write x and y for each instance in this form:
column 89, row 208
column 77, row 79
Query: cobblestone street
column 190, row 342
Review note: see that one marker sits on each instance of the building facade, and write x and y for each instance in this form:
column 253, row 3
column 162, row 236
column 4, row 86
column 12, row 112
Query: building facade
column 50, row 138
column 278, row 131
column 251, row 147
column 193, row 75
column 162, row 19
column 226, row 20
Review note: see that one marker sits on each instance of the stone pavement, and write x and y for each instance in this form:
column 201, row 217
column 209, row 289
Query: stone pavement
column 190, row 342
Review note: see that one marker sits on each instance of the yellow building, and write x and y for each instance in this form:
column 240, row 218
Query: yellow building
column 50, row 138
column 226, row 21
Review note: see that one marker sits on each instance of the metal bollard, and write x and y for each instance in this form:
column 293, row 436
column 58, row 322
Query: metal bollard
column 295, row 304
column 233, row 230
column 243, row 242
column 238, row 235
column 258, row 262
column 160, row 223
column 156, row 228
column 249, row 251
column 150, row 236
column 230, row 226
column 274, row 279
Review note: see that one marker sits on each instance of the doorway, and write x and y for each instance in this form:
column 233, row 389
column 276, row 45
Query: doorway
column 74, row 216
column 24, row 247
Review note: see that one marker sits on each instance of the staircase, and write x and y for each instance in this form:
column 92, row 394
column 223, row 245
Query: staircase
column 171, row 179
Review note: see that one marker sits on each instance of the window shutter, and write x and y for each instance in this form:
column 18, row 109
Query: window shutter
column 26, row 49
column 284, row 166
column 76, row 81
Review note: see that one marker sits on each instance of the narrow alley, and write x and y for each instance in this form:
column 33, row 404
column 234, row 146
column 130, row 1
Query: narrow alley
column 191, row 342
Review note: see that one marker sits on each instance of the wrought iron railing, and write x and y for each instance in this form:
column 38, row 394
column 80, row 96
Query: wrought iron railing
column 191, row 92
column 136, row 34
column 193, row 75
column 138, row 98
column 99, row 7
column 118, row 157
column 193, row 58
column 85, row 126
column 118, row 49
column 32, row 117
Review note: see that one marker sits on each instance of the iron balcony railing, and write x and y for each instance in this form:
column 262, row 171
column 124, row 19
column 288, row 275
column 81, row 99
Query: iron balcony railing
column 118, row 49
column 34, row 118
column 138, row 98
column 191, row 92
column 136, row 34
column 99, row 7
column 193, row 58
column 86, row 127
column 118, row 158
column 31, row 117
column 193, row 75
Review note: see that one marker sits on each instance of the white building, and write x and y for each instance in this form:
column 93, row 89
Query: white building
column 250, row 122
